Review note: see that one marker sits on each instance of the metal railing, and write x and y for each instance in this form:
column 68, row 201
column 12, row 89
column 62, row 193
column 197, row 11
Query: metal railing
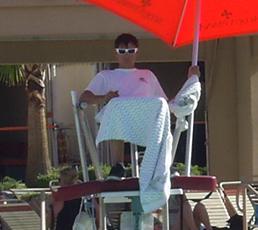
column 42, row 192
column 244, row 186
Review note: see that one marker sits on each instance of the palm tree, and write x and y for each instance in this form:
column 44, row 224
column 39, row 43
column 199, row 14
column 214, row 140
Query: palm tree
column 38, row 161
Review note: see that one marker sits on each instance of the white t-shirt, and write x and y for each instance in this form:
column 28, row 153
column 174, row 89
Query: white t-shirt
column 128, row 82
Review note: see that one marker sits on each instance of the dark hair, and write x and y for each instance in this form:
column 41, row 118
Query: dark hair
column 126, row 39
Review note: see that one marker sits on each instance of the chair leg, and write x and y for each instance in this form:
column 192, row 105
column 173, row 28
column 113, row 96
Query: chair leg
column 137, row 213
column 134, row 160
column 102, row 214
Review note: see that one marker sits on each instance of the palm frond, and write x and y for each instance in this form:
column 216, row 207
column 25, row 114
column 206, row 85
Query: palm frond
column 12, row 75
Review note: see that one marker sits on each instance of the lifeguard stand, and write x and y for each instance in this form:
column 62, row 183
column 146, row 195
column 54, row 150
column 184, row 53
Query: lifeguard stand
column 84, row 136
column 104, row 191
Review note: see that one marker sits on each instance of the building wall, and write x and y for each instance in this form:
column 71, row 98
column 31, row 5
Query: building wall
column 232, row 106
column 221, row 107
column 246, row 72
column 69, row 78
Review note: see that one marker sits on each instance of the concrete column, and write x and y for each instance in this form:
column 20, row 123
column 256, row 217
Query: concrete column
column 245, row 98
column 221, row 109
column 254, row 111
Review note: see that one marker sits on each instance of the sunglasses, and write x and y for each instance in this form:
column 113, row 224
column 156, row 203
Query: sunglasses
column 124, row 51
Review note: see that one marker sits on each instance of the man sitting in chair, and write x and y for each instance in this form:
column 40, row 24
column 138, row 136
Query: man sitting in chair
column 125, row 81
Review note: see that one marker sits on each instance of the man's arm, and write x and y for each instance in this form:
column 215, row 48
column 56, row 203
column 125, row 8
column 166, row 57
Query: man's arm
column 92, row 99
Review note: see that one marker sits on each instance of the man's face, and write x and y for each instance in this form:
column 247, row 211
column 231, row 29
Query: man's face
column 126, row 61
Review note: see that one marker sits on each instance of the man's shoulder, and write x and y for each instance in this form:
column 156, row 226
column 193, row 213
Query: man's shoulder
column 105, row 71
column 146, row 72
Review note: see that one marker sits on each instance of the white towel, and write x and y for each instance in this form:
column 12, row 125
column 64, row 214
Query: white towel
column 146, row 122
column 186, row 101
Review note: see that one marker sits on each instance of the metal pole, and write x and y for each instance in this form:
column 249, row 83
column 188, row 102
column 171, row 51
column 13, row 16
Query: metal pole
column 91, row 145
column 189, row 140
column 165, row 216
column 245, row 224
column 102, row 214
column 43, row 210
column 52, row 72
column 79, row 136
column 176, row 137
column 134, row 160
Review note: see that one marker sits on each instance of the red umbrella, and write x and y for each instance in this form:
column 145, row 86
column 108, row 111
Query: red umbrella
column 173, row 20
column 181, row 22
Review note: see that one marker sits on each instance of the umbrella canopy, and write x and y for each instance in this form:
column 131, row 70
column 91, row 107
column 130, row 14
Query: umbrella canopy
column 173, row 20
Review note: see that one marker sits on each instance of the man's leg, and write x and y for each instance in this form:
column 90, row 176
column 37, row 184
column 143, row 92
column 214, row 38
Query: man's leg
column 188, row 218
column 117, row 150
column 201, row 216
column 117, row 171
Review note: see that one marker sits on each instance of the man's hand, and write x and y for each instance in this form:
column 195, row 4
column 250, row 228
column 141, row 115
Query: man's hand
column 194, row 70
column 110, row 95
column 91, row 99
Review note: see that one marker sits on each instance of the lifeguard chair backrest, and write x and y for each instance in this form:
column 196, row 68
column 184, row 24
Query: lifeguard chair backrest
column 202, row 183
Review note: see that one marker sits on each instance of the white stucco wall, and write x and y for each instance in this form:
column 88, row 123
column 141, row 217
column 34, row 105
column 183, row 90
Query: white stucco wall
column 70, row 77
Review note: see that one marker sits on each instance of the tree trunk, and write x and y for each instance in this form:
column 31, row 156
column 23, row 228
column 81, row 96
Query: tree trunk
column 38, row 161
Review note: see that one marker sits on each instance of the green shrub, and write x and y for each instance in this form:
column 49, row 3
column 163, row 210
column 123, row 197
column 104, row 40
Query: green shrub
column 105, row 171
column 44, row 179
column 128, row 170
column 10, row 183
column 91, row 172
column 27, row 196
column 195, row 169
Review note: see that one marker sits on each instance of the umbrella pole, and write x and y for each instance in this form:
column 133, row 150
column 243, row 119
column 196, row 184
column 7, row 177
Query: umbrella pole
column 189, row 140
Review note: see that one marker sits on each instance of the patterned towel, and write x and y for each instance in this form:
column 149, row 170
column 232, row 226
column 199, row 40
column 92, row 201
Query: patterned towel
column 146, row 122
column 186, row 101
